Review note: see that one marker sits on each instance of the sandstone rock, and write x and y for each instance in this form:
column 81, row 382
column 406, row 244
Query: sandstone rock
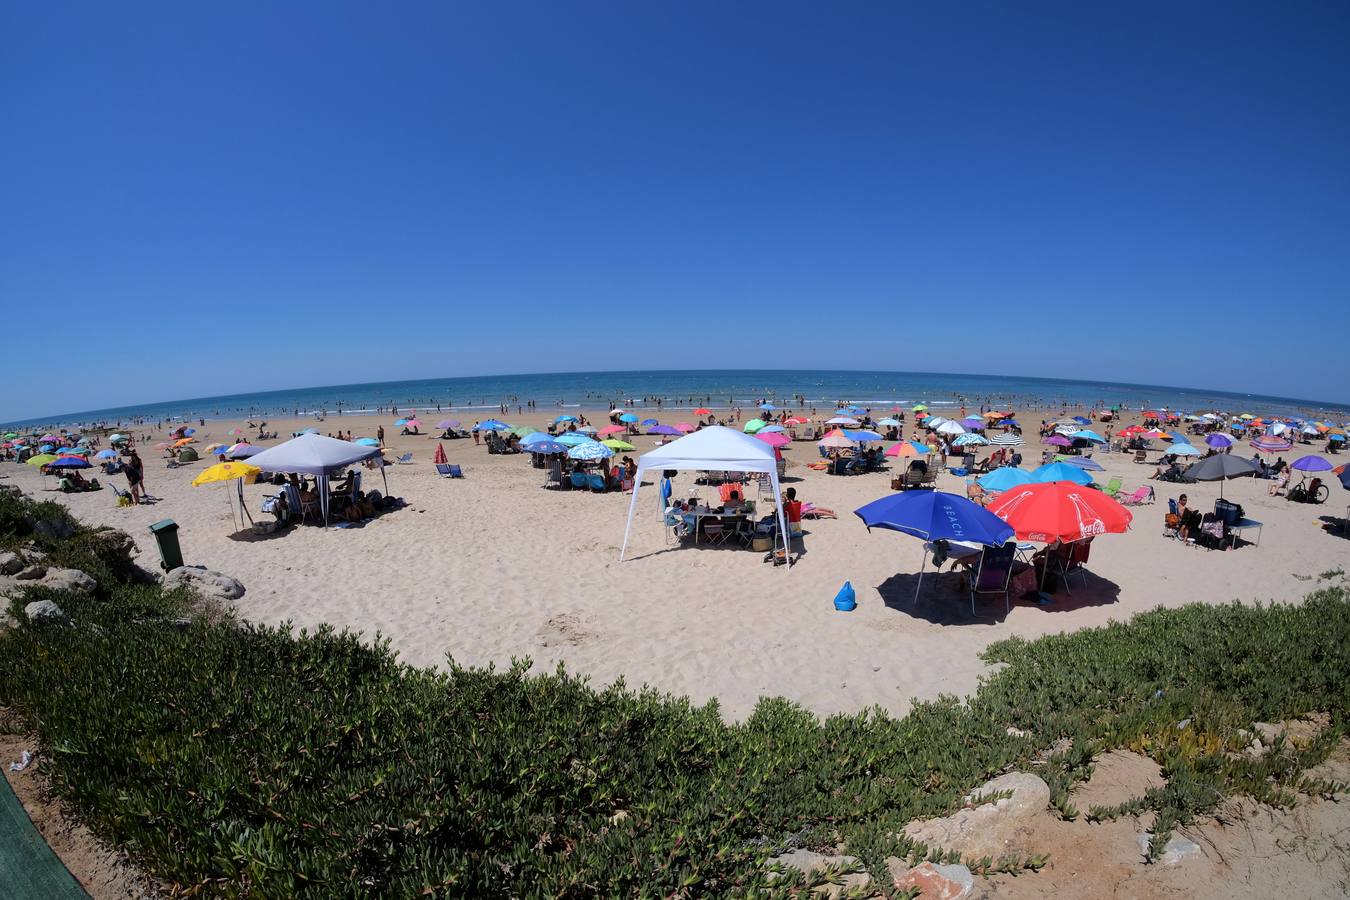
column 10, row 563
column 44, row 611
column 69, row 580
column 935, row 882
column 1177, row 849
column 31, row 573
column 205, row 582
column 986, row 829
column 53, row 529
column 809, row 861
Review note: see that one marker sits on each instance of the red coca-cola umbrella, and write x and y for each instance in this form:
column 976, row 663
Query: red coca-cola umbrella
column 1060, row 511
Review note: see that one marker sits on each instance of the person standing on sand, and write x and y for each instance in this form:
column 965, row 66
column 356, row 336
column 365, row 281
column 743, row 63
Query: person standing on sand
column 476, row 440
column 135, row 472
column 379, row 435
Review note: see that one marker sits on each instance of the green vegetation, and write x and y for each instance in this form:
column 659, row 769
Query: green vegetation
column 246, row 760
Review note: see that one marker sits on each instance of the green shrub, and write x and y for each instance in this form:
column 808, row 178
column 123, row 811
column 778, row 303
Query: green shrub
column 269, row 762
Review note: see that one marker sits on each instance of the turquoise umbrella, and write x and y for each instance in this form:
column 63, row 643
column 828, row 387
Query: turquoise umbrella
column 1060, row 472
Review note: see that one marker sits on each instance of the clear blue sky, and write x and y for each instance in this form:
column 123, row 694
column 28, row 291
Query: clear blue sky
column 210, row 198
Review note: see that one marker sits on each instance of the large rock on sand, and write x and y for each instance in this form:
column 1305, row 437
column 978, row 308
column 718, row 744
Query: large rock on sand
column 810, row 862
column 45, row 612
column 986, row 829
column 11, row 563
column 934, row 881
column 204, row 582
column 68, row 580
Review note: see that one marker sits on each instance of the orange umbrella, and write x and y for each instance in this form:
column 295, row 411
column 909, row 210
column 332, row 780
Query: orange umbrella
column 702, row 411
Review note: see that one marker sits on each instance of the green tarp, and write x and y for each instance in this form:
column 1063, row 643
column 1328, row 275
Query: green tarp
column 29, row 870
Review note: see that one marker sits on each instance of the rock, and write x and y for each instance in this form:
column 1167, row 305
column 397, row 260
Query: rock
column 209, row 584
column 1177, row 849
column 69, row 580
column 31, row 573
column 7, row 622
column 935, row 882
column 986, row 829
column 44, row 611
column 10, row 563
column 809, row 861
column 53, row 529
column 1014, row 731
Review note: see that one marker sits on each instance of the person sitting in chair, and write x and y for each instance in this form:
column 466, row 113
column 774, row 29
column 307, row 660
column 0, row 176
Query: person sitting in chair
column 792, row 511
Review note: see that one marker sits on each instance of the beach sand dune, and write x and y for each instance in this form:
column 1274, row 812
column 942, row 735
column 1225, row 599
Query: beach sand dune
column 493, row 567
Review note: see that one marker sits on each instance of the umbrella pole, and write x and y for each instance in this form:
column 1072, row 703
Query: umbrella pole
column 921, row 566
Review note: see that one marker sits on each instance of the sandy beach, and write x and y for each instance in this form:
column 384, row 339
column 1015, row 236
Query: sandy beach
column 493, row 567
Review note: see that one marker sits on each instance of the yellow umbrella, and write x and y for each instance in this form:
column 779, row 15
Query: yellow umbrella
column 183, row 442
column 616, row 444
column 240, row 473
column 41, row 459
column 227, row 471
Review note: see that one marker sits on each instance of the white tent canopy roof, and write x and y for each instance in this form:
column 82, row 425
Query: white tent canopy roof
column 715, row 447
column 312, row 454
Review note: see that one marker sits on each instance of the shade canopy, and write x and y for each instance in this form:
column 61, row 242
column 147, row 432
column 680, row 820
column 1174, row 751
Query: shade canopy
column 715, row 448
column 312, row 454
column 935, row 515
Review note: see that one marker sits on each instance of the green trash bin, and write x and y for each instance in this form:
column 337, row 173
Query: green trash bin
column 166, row 537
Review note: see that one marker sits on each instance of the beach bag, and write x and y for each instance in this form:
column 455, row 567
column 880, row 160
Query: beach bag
column 1023, row 583
column 847, row 599
column 1173, row 521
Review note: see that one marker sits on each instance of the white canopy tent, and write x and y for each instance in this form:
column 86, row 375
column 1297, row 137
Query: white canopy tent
column 314, row 454
column 711, row 449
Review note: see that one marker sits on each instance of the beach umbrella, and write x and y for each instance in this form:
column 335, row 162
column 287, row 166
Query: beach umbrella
column 1218, row 441
column 1220, row 467
column 771, row 428
column 1060, row 511
column 1004, row 478
column 933, row 421
column 934, row 516
column 684, row 427
column 400, row 423
column 970, row 440
column 703, row 411
column 46, row 448
column 1087, row 435
column 774, row 438
column 1311, row 464
column 439, row 458
column 951, row 428
column 243, row 451
column 798, row 420
column 767, row 407
column 1006, row 440
column 1058, row 440
column 1081, row 462
column 69, row 462
column 907, row 448
column 524, row 431
column 1181, row 450
column 663, row 429
column 590, row 450
column 447, row 423
column 612, row 429
column 615, row 444
column 835, row 440
column 240, row 473
column 754, row 425
column 572, row 439
column 1269, row 444
column 919, row 407
column 11, row 435
column 888, row 422
column 492, row 425
column 628, row 417
column 546, row 447
column 106, row 454
column 566, row 419
column 973, row 423
column 1060, row 472
column 841, row 420
column 368, row 442
column 537, row 437
column 414, row 423
column 862, row 435
column 41, row 459
column 1343, row 473
column 650, row 422
column 1082, row 420
column 75, row 451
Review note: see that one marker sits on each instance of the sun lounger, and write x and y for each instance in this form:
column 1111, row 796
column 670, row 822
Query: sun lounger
column 404, row 460
column 1112, row 488
column 1139, row 497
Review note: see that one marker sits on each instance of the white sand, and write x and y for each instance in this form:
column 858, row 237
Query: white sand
column 492, row 567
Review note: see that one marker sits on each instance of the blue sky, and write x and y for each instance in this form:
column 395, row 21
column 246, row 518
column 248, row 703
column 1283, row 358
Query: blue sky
column 203, row 199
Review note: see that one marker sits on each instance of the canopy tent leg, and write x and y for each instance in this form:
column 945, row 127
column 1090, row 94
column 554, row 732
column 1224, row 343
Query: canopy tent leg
column 322, row 482
column 632, row 509
column 782, row 525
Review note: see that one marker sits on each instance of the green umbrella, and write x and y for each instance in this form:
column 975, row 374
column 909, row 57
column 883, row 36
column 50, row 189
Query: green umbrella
column 615, row 444
column 523, row 430
column 41, row 459
column 754, row 425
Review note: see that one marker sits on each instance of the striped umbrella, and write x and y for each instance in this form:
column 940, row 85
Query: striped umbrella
column 590, row 450
column 1006, row 440
column 1268, row 444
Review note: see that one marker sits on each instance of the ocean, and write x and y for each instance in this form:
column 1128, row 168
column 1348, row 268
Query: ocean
column 713, row 388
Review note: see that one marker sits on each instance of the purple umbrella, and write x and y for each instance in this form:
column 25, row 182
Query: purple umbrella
column 1219, row 441
column 1268, row 444
column 663, row 429
column 1058, row 440
column 448, row 423
column 973, row 423
column 1311, row 464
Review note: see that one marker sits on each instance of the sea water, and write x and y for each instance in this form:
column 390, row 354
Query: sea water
column 479, row 396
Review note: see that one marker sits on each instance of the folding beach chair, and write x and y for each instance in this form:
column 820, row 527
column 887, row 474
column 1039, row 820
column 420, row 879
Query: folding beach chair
column 1138, row 497
column 597, row 483
column 456, row 471
column 443, row 470
column 994, row 574
column 404, row 460
column 1112, row 488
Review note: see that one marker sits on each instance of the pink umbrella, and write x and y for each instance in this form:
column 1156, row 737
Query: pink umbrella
column 685, row 427
column 774, row 438
column 612, row 429
column 414, row 423
column 1058, row 440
